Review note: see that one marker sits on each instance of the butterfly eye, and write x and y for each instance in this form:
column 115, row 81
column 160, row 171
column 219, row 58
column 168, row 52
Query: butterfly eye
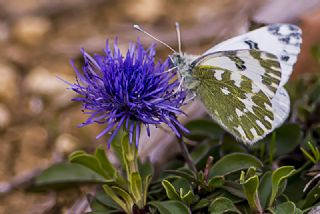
column 178, row 60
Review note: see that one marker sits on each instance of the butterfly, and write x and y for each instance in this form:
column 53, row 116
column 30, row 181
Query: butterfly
column 241, row 81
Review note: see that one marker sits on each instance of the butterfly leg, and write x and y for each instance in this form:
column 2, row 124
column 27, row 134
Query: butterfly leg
column 170, row 70
column 180, row 85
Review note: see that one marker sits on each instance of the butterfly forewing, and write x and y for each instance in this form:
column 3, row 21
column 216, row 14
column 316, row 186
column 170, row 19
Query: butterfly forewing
column 261, row 67
column 282, row 40
column 246, row 114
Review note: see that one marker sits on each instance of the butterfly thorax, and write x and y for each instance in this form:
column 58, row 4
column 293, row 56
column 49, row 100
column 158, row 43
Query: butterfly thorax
column 184, row 69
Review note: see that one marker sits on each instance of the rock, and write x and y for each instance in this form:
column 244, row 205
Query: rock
column 17, row 7
column 31, row 30
column 5, row 116
column 145, row 10
column 33, row 149
column 34, row 139
column 35, row 105
column 41, row 81
column 26, row 202
column 8, row 82
column 66, row 143
column 4, row 32
column 5, row 153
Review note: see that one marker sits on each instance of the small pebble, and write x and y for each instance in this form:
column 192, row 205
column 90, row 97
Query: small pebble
column 66, row 143
column 5, row 116
column 31, row 30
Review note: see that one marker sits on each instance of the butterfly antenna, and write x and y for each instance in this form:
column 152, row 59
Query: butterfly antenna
column 179, row 37
column 137, row 27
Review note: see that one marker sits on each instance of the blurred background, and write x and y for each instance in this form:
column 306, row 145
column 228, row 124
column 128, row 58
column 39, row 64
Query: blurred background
column 38, row 122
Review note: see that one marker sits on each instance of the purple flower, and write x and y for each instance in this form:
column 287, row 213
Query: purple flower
column 128, row 91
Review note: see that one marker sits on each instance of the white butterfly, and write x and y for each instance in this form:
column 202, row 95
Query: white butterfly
column 240, row 81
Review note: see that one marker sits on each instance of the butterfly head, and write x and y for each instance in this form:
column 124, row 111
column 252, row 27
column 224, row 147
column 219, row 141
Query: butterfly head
column 177, row 59
column 180, row 61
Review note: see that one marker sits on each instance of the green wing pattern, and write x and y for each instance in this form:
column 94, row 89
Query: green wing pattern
column 261, row 67
column 245, row 114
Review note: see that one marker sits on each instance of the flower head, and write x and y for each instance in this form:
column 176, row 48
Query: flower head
column 128, row 91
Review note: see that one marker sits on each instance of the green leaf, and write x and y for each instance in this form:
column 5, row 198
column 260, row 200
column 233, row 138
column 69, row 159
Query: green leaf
column 75, row 153
column 125, row 203
column 222, row 205
column 136, row 187
column 216, row 182
column 288, row 138
column 312, row 197
column 170, row 190
column 277, row 177
column 105, row 163
column 250, row 173
column 250, row 188
column 201, row 129
column 285, row 208
column 89, row 161
column 116, row 147
column 314, row 92
column 96, row 206
column 170, row 207
column 145, row 168
column 314, row 157
column 234, row 162
column 234, row 188
column 106, row 200
column 127, row 155
column 145, row 185
column 231, row 145
column 235, row 199
column 204, row 202
column 184, row 173
column 200, row 152
column 182, row 183
column 265, row 189
column 126, row 197
column 294, row 187
column 298, row 211
column 185, row 190
column 188, row 197
column 68, row 173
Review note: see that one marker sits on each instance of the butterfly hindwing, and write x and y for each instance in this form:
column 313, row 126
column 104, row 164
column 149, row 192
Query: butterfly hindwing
column 280, row 106
column 281, row 40
column 245, row 114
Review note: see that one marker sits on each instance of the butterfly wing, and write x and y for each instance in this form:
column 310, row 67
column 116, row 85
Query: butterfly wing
column 243, row 106
column 281, row 40
column 280, row 106
column 261, row 67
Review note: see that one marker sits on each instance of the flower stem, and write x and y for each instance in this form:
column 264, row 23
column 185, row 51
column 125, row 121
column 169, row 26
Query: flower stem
column 186, row 155
column 130, row 155
column 133, row 163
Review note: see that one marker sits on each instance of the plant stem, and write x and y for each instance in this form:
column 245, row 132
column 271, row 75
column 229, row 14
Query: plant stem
column 186, row 155
column 207, row 168
column 133, row 163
